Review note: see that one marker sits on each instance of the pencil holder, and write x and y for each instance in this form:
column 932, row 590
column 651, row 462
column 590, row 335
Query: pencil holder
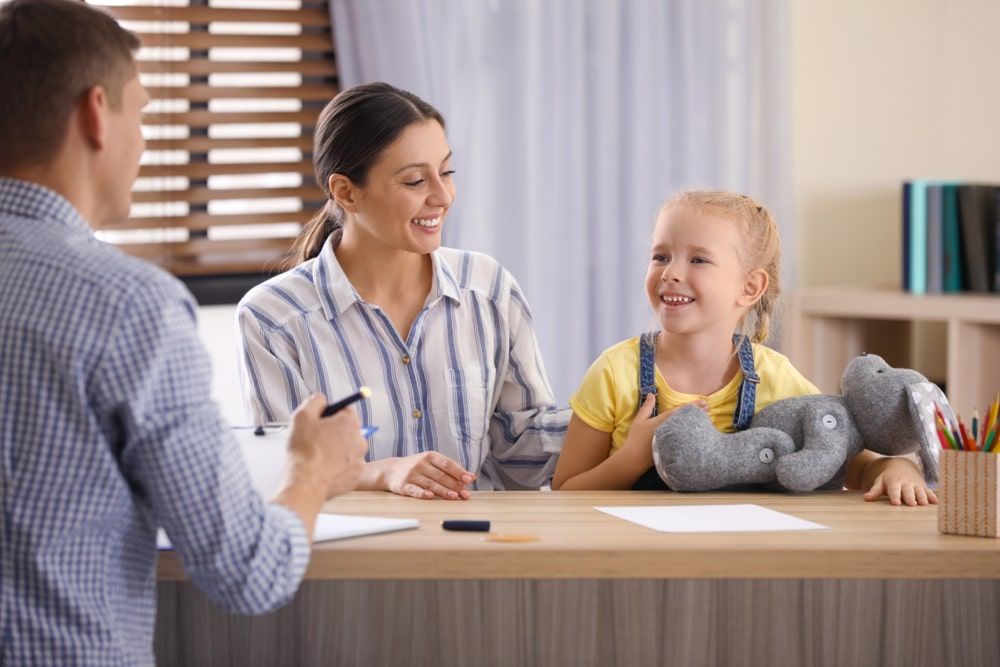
column 969, row 493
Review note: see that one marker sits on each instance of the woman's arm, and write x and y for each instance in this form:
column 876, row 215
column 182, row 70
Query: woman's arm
column 895, row 476
column 526, row 429
column 270, row 377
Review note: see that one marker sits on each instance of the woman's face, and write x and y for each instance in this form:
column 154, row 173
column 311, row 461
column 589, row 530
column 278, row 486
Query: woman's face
column 408, row 192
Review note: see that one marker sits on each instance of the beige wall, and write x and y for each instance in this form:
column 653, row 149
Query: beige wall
column 885, row 90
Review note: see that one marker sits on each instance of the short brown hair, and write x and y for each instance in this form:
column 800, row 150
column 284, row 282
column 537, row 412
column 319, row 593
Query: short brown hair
column 51, row 53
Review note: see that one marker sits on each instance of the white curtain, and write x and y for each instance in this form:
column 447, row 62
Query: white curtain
column 572, row 120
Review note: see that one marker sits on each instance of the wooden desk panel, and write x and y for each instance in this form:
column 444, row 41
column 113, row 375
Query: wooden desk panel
column 865, row 540
column 882, row 587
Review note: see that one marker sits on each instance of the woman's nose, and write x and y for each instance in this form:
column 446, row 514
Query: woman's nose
column 440, row 194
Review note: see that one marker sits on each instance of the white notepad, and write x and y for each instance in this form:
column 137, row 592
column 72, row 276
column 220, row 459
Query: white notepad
column 336, row 527
column 710, row 518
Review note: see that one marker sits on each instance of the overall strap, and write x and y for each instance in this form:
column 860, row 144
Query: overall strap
column 650, row 480
column 747, row 399
column 647, row 367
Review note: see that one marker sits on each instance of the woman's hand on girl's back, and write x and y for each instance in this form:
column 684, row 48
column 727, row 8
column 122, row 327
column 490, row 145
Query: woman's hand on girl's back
column 426, row 475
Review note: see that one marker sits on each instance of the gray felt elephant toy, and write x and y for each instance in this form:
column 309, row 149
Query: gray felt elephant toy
column 805, row 443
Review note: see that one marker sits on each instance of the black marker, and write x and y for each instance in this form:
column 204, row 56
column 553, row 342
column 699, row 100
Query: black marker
column 463, row 524
column 363, row 392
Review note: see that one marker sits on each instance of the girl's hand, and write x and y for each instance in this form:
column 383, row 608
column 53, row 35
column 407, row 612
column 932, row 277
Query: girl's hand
column 639, row 441
column 426, row 475
column 900, row 479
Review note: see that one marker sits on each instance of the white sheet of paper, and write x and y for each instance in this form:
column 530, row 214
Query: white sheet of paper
column 710, row 518
column 336, row 527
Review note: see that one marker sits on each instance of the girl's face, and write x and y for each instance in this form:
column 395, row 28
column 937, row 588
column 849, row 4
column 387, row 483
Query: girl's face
column 696, row 281
column 408, row 192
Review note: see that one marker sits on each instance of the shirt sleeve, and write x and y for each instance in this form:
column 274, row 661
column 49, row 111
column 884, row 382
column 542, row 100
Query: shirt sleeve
column 527, row 428
column 794, row 383
column 184, row 466
column 270, row 375
column 594, row 401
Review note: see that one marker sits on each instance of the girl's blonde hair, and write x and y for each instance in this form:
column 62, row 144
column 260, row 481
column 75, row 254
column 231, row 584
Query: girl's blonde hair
column 761, row 248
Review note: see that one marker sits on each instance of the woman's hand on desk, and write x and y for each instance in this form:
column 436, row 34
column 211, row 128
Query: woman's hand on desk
column 426, row 475
column 898, row 478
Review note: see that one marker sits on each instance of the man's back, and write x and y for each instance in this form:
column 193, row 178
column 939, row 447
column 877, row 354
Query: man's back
column 107, row 431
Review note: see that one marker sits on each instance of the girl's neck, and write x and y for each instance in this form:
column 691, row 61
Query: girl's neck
column 383, row 275
column 701, row 363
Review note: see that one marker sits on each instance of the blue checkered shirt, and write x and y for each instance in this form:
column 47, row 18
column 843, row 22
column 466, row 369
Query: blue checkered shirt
column 107, row 432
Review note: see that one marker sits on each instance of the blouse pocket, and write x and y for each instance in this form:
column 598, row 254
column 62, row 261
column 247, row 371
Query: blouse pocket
column 468, row 399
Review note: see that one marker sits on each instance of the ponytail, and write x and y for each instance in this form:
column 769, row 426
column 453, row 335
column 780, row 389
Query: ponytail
column 327, row 224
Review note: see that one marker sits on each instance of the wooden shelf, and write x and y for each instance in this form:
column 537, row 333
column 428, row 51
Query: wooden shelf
column 827, row 327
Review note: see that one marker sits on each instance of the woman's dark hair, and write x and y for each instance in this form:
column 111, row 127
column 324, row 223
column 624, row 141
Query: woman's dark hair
column 351, row 134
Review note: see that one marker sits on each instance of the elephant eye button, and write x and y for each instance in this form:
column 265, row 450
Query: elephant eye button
column 829, row 421
column 766, row 455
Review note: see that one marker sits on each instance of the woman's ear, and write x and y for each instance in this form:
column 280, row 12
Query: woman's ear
column 344, row 192
column 753, row 287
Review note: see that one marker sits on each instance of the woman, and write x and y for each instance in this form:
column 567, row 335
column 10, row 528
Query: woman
column 443, row 337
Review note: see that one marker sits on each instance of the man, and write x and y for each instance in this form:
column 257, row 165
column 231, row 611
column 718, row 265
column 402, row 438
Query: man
column 106, row 426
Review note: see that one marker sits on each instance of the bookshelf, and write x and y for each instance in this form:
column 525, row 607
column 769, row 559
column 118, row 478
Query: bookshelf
column 827, row 327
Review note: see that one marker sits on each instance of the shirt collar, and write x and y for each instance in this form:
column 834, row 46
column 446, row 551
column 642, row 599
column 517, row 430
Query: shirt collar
column 338, row 294
column 31, row 200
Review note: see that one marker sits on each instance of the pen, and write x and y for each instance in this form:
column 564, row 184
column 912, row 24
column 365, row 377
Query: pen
column 363, row 392
column 464, row 524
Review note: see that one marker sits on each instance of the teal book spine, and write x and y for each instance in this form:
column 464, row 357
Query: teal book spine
column 935, row 239
column 918, row 237
column 952, row 239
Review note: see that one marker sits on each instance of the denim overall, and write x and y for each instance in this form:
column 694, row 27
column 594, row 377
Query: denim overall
column 745, row 403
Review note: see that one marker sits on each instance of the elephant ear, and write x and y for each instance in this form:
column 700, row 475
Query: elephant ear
column 925, row 396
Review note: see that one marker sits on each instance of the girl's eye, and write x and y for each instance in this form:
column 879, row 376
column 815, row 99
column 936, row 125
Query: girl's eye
column 659, row 258
column 699, row 260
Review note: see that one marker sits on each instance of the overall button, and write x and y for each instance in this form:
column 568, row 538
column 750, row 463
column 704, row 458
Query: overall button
column 417, row 414
column 829, row 421
column 766, row 455
column 406, row 359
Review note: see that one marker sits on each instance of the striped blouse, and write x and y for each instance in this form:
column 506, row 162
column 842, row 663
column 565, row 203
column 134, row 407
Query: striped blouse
column 467, row 382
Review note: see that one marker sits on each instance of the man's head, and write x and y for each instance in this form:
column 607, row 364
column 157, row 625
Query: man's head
column 71, row 100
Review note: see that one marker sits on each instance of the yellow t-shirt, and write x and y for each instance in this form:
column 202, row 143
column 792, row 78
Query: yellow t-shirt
column 608, row 397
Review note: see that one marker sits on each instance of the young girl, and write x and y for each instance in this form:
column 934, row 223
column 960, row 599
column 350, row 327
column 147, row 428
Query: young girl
column 713, row 283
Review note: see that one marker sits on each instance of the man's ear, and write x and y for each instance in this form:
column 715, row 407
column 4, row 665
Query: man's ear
column 92, row 116
column 344, row 192
column 754, row 287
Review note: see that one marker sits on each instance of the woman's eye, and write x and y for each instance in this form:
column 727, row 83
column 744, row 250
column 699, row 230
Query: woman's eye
column 448, row 174
column 413, row 184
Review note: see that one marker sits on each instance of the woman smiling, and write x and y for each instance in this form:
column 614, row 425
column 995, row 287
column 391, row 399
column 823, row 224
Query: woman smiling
column 444, row 337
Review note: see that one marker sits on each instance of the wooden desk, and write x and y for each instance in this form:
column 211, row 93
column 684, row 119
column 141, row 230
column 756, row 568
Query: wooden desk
column 882, row 586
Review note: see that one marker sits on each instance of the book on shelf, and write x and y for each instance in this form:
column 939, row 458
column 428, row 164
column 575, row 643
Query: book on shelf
column 951, row 236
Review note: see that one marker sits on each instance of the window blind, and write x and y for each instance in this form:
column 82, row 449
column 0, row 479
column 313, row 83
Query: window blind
column 236, row 86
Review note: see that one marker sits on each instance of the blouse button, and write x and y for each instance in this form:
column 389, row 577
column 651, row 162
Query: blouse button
column 417, row 414
column 406, row 359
